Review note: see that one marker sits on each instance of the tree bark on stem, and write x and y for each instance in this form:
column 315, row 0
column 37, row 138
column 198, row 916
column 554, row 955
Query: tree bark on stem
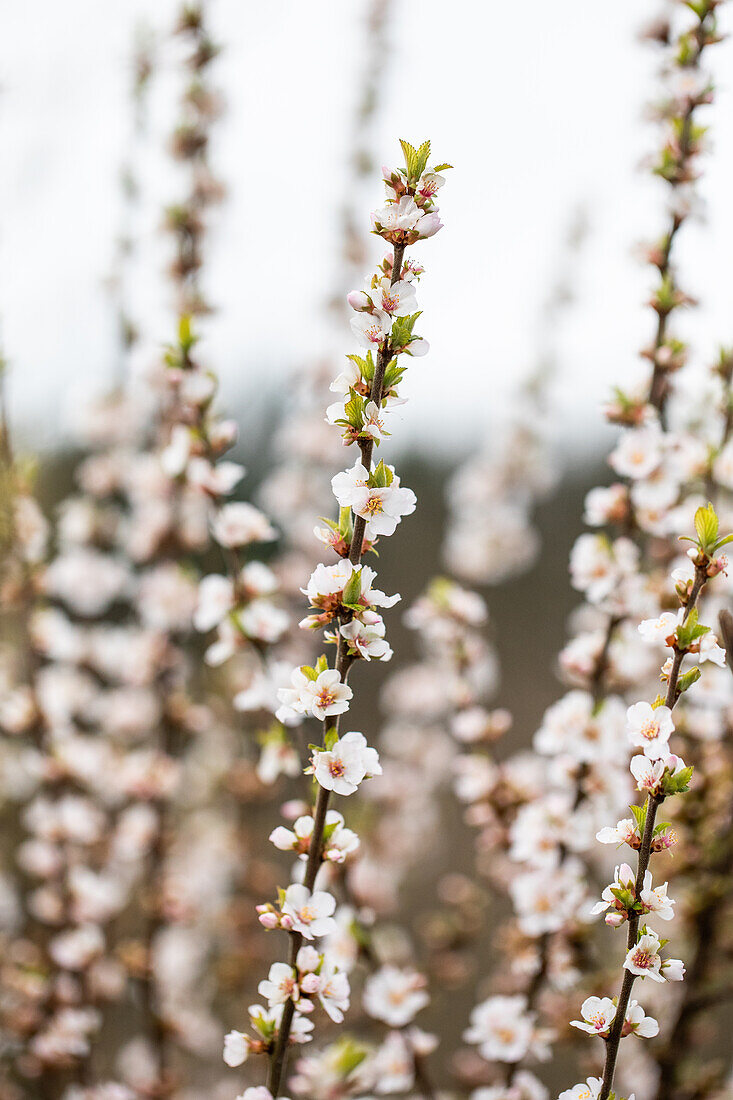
column 659, row 389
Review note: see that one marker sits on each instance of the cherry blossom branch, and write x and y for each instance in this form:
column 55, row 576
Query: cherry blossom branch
column 682, row 643
column 344, row 661
column 372, row 503
column 708, row 867
column 676, row 166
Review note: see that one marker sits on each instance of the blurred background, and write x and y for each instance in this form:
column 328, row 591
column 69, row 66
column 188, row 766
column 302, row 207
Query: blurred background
column 541, row 110
column 539, row 107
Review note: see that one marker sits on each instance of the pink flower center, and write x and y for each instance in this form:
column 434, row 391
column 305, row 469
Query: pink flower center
column 650, row 730
column 642, row 959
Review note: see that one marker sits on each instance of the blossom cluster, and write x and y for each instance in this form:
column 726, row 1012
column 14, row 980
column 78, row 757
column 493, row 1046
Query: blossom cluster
column 342, row 597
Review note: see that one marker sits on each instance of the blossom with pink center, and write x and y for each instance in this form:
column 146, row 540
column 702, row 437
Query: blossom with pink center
column 326, row 695
column 644, row 959
column 625, row 831
column 651, row 775
column 371, row 329
column 311, row 914
column 598, row 1013
column 429, row 185
column 281, row 985
column 346, row 765
column 396, row 299
column 366, row 637
column 381, row 506
column 650, row 728
column 322, row 697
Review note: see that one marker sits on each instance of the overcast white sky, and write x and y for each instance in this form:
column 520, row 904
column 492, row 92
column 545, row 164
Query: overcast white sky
column 538, row 106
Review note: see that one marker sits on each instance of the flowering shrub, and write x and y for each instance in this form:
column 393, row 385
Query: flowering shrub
column 162, row 678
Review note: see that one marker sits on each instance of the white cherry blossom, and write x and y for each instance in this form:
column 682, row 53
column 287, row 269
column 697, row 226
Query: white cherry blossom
column 395, row 996
column 650, row 728
column 311, row 914
column 350, row 761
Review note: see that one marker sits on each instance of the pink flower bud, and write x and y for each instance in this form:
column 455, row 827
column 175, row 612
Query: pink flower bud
column 269, row 920
column 615, row 919
column 310, row 983
column 717, row 565
column 360, row 301
column 286, row 922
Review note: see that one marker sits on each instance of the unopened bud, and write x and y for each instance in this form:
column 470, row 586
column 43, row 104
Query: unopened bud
column 360, row 301
column 310, row 983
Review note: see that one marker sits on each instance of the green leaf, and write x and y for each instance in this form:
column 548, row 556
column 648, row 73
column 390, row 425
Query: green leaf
column 706, row 526
column 352, row 591
column 309, row 672
column 678, row 784
column 689, row 631
column 442, row 167
column 423, row 155
column 689, row 678
column 330, row 523
column 368, row 368
column 321, row 664
column 722, row 542
column 381, row 476
column 639, row 813
column 331, row 738
column 354, row 410
column 345, row 527
column 410, row 153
